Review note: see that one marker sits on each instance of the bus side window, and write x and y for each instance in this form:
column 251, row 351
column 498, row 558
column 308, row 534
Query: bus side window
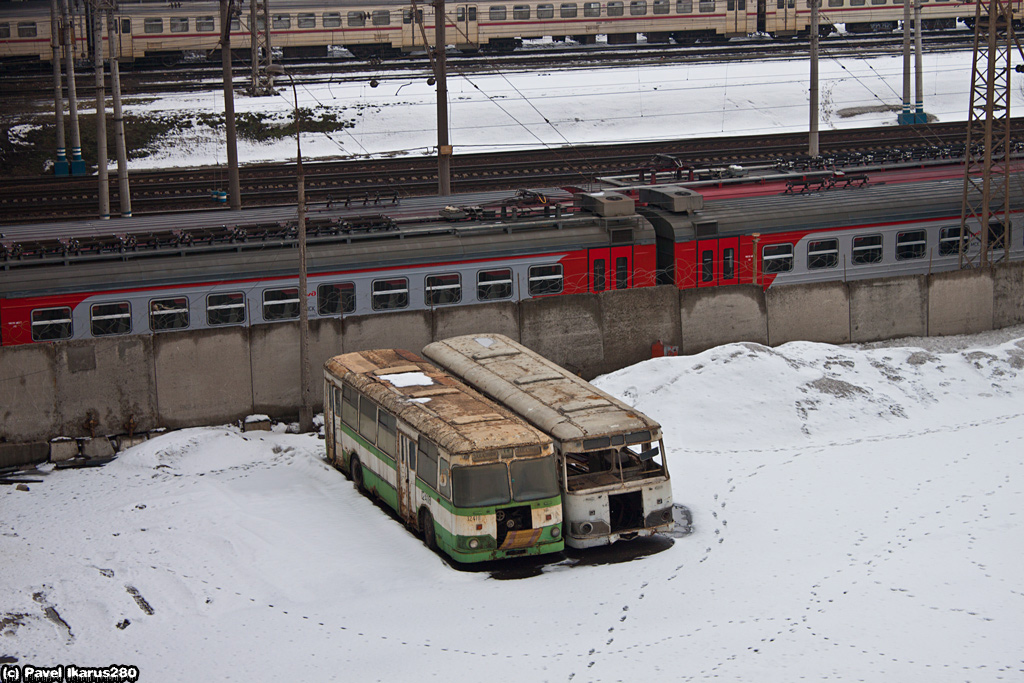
column 444, row 483
column 349, row 407
column 427, row 469
column 367, row 419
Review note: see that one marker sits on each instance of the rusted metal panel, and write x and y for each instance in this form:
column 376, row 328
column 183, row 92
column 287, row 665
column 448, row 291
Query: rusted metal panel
column 550, row 397
column 457, row 417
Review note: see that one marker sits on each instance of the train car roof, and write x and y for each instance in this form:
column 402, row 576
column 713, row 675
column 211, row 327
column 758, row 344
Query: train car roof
column 548, row 396
column 448, row 412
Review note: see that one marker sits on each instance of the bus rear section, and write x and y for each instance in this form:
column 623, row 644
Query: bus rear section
column 475, row 480
column 611, row 458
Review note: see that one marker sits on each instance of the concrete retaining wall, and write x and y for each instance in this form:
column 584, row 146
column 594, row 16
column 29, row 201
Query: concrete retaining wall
column 211, row 376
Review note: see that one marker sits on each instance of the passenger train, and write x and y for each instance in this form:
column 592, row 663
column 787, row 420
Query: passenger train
column 161, row 274
column 301, row 28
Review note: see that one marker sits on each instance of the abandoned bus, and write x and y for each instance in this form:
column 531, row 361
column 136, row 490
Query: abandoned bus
column 478, row 482
column 611, row 463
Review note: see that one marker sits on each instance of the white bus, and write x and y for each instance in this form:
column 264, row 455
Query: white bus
column 611, row 458
column 478, row 482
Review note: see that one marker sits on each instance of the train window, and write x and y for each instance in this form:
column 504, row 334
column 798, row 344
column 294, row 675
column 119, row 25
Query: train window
column 728, row 264
column 306, row 20
column 179, row 24
column 661, row 6
column 878, row 2
column 684, row 6
column 545, row 279
column 168, row 314
column 5, row 29
column 357, row 18
column 225, row 309
column 497, row 13
column 387, row 434
column 822, row 254
column 472, row 13
column 494, row 284
column 380, row 17
column 367, row 419
column 857, row 3
column 600, row 280
column 568, row 10
column 281, row 21
column 706, row 6
column 520, row 11
column 996, row 234
column 591, row 9
column 49, row 324
column 205, row 24
column 441, row 290
column 910, row 245
column 407, row 16
column 113, row 318
column 777, row 258
column 27, row 29
column 335, row 299
column 622, row 273
column 331, row 19
column 707, row 265
column 637, row 8
column 835, row 3
column 350, row 406
column 545, row 11
column 153, row 25
column 615, row 8
column 389, row 295
column 866, row 249
column 949, row 241
column 281, row 304
column 236, row 24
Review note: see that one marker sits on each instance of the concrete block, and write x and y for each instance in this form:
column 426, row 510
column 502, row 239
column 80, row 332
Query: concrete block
column 714, row 316
column 888, row 308
column 103, row 382
column 496, row 318
column 633, row 319
column 1008, row 294
column 256, row 423
column 97, row 447
column 63, row 448
column 203, row 376
column 123, row 441
column 818, row 312
column 960, row 302
column 566, row 330
column 28, row 387
column 25, row 453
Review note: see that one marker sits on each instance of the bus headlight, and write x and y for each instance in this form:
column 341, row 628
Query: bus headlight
column 556, row 531
column 474, row 543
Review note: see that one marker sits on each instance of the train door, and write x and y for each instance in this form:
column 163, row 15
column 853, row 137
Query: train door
column 466, row 29
column 123, row 31
column 413, row 29
column 600, row 264
column 736, row 17
column 406, row 475
column 781, row 21
column 717, row 262
column 620, row 265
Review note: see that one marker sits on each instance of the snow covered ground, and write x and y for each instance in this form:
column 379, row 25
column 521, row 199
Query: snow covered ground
column 858, row 517
column 585, row 105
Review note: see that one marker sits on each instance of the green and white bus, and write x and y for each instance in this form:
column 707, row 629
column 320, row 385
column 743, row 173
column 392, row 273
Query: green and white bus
column 611, row 457
column 478, row 482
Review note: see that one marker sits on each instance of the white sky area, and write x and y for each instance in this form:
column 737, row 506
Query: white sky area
column 858, row 512
column 583, row 105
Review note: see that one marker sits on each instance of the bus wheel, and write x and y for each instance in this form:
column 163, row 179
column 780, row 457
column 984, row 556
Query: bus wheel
column 429, row 534
column 356, row 469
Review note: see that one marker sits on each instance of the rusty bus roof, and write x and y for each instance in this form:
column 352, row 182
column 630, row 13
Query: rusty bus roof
column 548, row 396
column 445, row 410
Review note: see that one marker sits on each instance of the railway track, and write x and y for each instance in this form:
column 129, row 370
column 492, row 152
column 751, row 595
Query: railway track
column 368, row 180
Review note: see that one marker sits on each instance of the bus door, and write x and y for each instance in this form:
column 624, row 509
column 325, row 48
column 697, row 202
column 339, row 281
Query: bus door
column 599, row 260
column 413, row 29
column 620, row 268
column 466, row 31
column 736, row 17
column 717, row 261
column 406, row 475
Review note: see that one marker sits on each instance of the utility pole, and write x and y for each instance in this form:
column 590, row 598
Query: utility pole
column 60, row 167
column 123, row 191
column 228, row 10
column 985, row 208
column 812, row 144
column 906, row 117
column 919, row 115
column 444, row 148
column 259, row 38
column 77, row 164
column 101, row 110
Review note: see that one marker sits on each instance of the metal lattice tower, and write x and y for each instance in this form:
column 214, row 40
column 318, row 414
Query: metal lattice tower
column 259, row 36
column 985, row 211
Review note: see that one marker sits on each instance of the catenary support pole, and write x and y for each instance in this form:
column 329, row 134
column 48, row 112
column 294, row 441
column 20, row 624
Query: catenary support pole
column 77, row 164
column 60, row 167
column 444, row 148
column 123, row 189
column 101, row 113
